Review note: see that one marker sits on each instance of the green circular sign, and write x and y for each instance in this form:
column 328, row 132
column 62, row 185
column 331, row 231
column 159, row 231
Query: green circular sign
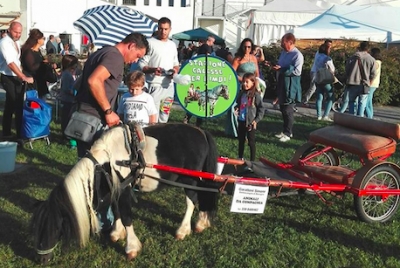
column 212, row 89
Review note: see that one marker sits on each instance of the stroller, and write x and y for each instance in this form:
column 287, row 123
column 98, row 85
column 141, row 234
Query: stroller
column 36, row 118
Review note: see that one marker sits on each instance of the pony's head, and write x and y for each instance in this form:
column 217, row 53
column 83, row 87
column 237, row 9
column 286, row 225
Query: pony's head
column 68, row 213
column 224, row 92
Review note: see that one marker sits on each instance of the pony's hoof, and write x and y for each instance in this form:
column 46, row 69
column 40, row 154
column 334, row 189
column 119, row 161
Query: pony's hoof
column 199, row 229
column 131, row 255
column 114, row 238
column 180, row 236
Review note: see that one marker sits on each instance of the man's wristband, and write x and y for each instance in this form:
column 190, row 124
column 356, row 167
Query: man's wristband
column 108, row 111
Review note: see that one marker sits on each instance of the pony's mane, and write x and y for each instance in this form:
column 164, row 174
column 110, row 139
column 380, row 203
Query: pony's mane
column 80, row 180
column 79, row 184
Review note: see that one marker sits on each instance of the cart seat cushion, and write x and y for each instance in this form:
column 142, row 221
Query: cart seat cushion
column 361, row 143
column 368, row 125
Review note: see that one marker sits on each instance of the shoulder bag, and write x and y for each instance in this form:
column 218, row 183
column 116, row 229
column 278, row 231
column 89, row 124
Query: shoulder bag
column 82, row 126
column 363, row 77
column 324, row 76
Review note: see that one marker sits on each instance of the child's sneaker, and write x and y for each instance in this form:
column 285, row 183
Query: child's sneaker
column 72, row 144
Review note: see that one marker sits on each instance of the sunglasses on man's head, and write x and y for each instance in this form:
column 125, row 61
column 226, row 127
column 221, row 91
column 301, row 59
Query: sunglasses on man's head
column 247, row 46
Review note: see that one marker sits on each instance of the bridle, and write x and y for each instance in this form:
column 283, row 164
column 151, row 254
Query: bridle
column 135, row 162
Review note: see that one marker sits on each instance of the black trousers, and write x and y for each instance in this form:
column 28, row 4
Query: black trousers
column 65, row 114
column 244, row 131
column 287, row 111
column 15, row 91
column 199, row 120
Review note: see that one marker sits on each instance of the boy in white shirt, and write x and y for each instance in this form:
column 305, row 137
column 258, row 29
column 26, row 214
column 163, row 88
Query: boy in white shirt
column 137, row 105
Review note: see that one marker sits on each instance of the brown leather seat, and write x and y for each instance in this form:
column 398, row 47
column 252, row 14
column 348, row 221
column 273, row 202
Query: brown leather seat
column 364, row 137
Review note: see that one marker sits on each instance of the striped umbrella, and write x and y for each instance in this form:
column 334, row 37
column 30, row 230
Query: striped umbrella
column 108, row 25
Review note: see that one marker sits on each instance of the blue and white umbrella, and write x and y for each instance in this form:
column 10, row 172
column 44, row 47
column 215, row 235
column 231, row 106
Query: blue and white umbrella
column 108, row 25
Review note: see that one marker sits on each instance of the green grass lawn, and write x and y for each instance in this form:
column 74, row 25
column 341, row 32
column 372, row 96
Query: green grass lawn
column 295, row 231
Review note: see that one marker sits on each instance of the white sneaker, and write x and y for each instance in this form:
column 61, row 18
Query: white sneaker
column 319, row 118
column 284, row 138
column 325, row 118
column 280, row 135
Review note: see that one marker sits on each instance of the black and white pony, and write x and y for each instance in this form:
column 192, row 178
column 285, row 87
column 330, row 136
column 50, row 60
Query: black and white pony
column 70, row 212
column 213, row 95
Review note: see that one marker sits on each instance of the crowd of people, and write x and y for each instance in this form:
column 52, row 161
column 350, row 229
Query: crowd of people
column 96, row 93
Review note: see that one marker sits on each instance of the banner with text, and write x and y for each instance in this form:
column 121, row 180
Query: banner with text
column 207, row 97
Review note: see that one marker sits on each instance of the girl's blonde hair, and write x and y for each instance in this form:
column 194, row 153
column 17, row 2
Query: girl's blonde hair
column 135, row 78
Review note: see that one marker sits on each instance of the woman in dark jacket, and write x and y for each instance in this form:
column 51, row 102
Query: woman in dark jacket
column 32, row 61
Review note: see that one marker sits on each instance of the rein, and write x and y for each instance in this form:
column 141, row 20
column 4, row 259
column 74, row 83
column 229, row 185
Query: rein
column 186, row 186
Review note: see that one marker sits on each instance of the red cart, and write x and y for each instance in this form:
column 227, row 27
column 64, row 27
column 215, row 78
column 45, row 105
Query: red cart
column 316, row 166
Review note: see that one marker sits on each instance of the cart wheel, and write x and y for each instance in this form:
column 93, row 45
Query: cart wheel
column 336, row 106
column 378, row 208
column 328, row 158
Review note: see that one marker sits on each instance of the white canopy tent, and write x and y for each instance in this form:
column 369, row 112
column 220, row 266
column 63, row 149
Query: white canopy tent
column 273, row 20
column 371, row 23
column 329, row 3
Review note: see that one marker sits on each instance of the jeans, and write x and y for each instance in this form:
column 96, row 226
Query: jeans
column 288, row 118
column 15, row 91
column 369, row 108
column 321, row 89
column 350, row 94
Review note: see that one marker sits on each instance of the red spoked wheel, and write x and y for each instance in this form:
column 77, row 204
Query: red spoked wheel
column 378, row 208
column 327, row 158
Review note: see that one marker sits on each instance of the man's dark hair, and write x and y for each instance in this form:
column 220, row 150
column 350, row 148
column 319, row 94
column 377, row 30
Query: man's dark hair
column 138, row 39
column 364, row 46
column 289, row 37
column 51, row 36
column 376, row 53
column 327, row 41
column 164, row 20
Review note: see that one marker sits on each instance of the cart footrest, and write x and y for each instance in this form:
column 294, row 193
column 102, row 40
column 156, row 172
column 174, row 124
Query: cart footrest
column 330, row 174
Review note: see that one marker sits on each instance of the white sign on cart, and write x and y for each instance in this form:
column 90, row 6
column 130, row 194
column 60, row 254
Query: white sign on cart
column 249, row 199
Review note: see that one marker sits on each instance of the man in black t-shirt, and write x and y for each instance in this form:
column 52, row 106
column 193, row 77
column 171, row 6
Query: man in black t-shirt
column 101, row 77
column 206, row 48
column 224, row 53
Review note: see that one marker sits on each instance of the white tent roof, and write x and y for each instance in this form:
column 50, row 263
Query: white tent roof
column 273, row 20
column 284, row 12
column 374, row 23
column 329, row 3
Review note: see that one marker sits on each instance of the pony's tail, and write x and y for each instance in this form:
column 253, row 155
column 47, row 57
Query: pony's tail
column 208, row 201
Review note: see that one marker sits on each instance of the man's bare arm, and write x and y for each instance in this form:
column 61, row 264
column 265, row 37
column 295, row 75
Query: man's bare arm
column 19, row 73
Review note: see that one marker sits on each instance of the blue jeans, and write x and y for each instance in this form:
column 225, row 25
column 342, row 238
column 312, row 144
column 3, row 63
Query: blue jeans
column 369, row 109
column 321, row 89
column 350, row 94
